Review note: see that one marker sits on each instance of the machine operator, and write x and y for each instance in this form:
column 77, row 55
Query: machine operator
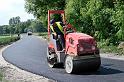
column 57, row 29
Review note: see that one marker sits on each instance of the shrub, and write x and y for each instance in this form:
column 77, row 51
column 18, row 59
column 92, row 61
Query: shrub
column 42, row 34
column 7, row 39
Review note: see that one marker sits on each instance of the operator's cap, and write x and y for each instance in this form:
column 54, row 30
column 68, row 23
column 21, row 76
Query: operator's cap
column 52, row 21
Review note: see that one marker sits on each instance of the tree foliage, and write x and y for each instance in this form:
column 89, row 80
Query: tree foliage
column 103, row 19
column 14, row 20
column 16, row 26
column 39, row 8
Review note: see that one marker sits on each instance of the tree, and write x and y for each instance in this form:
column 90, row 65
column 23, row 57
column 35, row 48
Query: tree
column 39, row 8
column 118, row 19
column 103, row 19
column 4, row 29
column 37, row 26
column 13, row 22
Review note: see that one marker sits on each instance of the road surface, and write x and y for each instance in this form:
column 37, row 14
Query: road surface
column 30, row 54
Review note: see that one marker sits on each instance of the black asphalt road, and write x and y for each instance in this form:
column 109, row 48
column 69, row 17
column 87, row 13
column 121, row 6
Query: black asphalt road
column 30, row 54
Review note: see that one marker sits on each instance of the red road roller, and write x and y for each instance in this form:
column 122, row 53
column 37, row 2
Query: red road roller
column 80, row 54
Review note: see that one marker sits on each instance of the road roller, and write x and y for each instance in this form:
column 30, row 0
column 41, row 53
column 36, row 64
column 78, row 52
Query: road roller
column 80, row 54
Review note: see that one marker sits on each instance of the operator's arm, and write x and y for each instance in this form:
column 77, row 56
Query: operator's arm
column 62, row 24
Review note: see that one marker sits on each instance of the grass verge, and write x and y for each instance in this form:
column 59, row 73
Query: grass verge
column 43, row 34
column 2, row 79
column 1, row 76
column 8, row 39
column 110, row 49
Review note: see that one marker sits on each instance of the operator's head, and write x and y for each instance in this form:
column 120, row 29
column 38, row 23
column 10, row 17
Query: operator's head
column 52, row 22
column 57, row 17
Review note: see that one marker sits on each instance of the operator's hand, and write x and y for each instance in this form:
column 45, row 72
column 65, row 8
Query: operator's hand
column 55, row 34
column 64, row 27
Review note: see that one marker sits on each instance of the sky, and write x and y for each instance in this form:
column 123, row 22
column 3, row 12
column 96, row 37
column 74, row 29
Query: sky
column 13, row 8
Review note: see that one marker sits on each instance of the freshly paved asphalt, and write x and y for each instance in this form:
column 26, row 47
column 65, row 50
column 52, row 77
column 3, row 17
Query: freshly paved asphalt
column 30, row 54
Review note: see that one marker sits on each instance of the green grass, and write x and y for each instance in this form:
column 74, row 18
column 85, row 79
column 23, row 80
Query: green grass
column 4, row 36
column 43, row 34
column 1, row 76
column 7, row 39
column 2, row 79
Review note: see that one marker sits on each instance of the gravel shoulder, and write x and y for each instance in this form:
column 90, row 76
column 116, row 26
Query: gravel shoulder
column 14, row 74
column 112, row 56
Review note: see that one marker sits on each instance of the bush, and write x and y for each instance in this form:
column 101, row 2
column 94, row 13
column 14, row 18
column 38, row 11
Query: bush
column 7, row 39
column 43, row 34
column 102, row 19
